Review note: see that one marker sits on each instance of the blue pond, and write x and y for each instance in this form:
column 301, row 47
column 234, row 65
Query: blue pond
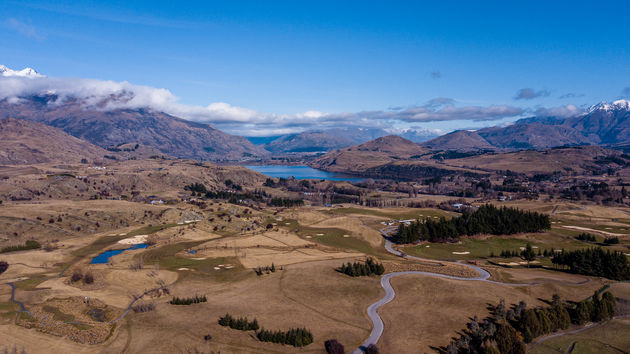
column 103, row 258
column 300, row 172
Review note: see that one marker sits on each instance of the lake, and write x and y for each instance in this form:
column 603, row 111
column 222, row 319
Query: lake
column 300, row 172
column 104, row 257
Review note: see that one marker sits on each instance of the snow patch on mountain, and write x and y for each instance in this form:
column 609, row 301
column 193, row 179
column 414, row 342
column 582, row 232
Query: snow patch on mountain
column 26, row 72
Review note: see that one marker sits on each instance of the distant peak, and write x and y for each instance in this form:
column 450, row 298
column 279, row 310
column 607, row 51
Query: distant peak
column 26, row 72
column 607, row 107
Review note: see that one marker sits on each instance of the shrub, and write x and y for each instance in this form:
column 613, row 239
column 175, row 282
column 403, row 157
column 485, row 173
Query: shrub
column 143, row 307
column 371, row 349
column 3, row 266
column 611, row 240
column 88, row 278
column 76, row 276
column 334, row 347
column 137, row 264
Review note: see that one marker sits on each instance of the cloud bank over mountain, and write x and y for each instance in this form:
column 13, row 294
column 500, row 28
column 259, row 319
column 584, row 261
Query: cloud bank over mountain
column 109, row 95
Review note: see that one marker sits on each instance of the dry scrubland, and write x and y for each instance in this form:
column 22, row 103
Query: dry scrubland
column 212, row 249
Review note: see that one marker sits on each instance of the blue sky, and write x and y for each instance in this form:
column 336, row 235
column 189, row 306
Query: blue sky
column 284, row 58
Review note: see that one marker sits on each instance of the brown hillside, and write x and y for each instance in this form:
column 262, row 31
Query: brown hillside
column 171, row 135
column 547, row 161
column 357, row 159
column 24, row 142
column 462, row 140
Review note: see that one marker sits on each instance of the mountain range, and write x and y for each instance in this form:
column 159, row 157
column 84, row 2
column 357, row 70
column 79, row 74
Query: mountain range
column 326, row 140
column 110, row 128
column 606, row 124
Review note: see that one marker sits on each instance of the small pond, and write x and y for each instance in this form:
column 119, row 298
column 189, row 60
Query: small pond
column 104, row 257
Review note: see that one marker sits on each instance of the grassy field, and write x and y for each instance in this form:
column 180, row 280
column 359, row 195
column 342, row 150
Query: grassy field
column 393, row 213
column 332, row 237
column 167, row 258
column 611, row 337
column 482, row 248
column 427, row 311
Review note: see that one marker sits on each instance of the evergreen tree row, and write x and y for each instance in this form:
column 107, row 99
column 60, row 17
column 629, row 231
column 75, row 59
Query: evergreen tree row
column 297, row 337
column 188, row 300
column 507, row 330
column 547, row 252
column 595, row 261
column 240, row 323
column 488, row 219
column 286, row 202
column 586, row 237
column 358, row 269
column 28, row 245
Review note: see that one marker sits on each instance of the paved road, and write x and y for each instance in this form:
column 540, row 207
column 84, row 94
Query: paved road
column 377, row 322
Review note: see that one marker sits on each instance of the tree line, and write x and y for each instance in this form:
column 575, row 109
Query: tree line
column 28, row 245
column 586, row 237
column 286, row 202
column 297, row 337
column 488, row 219
column 240, row 323
column 507, row 330
column 188, row 300
column 594, row 261
column 358, row 269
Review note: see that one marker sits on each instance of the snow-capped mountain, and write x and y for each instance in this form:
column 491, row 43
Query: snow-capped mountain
column 26, row 72
column 607, row 107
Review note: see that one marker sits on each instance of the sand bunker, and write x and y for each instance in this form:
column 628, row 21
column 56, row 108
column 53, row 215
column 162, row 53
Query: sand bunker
column 592, row 230
column 135, row 240
column 465, row 252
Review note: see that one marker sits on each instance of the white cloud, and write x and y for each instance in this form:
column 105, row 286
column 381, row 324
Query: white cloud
column 110, row 95
column 560, row 111
column 24, row 29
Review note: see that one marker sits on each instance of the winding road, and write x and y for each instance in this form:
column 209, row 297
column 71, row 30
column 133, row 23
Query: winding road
column 377, row 322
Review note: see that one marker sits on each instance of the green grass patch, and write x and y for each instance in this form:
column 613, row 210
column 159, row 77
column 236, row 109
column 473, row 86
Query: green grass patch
column 162, row 253
column 167, row 258
column 482, row 248
column 31, row 283
column 81, row 326
column 414, row 214
column 333, row 237
column 26, row 317
column 478, row 248
column 147, row 230
column 57, row 314
column 610, row 337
